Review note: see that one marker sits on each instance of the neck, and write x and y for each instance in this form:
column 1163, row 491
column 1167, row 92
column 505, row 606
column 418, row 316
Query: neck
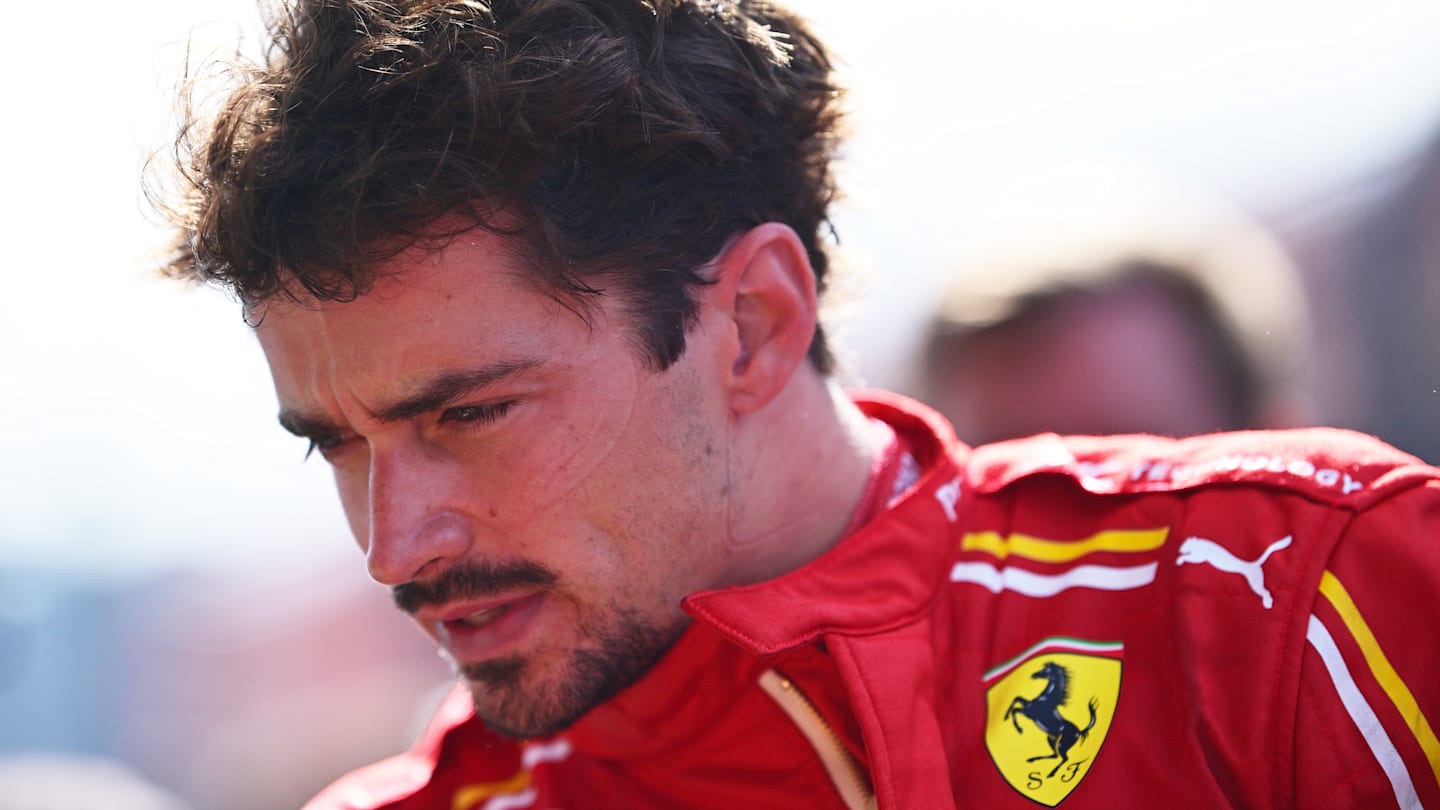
column 798, row 469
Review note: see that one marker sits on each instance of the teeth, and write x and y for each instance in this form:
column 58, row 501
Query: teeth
column 480, row 618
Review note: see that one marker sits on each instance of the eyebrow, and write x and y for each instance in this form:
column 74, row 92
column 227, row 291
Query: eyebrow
column 432, row 393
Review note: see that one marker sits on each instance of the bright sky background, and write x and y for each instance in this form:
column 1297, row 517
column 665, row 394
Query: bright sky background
column 136, row 419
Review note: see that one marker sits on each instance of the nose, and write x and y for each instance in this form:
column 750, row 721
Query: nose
column 414, row 528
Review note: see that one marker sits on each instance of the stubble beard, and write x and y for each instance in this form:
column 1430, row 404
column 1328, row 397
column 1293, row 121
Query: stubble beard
column 519, row 702
column 514, row 695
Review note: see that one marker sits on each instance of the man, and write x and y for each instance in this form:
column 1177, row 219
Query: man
column 1183, row 321
column 539, row 279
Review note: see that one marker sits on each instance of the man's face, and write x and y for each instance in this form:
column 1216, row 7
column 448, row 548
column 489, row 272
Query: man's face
column 1130, row 360
column 539, row 501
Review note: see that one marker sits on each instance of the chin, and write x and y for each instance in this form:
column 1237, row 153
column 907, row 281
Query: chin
column 518, row 699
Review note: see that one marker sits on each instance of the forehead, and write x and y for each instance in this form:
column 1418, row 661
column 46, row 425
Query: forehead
column 428, row 310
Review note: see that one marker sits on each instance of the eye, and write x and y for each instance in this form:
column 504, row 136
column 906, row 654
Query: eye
column 325, row 444
column 476, row 414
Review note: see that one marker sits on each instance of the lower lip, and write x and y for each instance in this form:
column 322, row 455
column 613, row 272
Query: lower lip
column 468, row 645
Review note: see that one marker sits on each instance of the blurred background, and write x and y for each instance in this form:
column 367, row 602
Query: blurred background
column 180, row 603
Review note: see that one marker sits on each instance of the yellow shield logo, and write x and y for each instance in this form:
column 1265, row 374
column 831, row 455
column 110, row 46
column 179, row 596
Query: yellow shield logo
column 1047, row 714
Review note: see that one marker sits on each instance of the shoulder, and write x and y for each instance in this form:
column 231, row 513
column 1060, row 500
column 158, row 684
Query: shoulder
column 1326, row 465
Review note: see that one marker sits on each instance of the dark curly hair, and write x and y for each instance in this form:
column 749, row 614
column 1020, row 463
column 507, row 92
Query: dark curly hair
column 622, row 142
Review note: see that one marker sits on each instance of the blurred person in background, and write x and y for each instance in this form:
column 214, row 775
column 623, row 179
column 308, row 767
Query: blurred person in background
column 541, row 281
column 1374, row 260
column 1177, row 320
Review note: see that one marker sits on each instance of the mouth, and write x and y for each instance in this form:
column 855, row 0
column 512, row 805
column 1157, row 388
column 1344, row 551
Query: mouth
column 479, row 631
column 482, row 617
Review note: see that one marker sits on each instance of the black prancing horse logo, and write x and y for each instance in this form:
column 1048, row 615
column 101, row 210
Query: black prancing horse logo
column 1044, row 710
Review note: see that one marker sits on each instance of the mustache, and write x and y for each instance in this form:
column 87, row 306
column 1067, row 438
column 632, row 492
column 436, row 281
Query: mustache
column 471, row 580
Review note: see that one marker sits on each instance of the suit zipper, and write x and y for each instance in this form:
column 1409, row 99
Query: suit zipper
column 849, row 779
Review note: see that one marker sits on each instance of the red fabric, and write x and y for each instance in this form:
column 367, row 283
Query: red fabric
column 898, row 632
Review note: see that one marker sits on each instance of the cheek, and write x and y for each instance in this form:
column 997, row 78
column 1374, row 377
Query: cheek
column 354, row 492
column 571, row 448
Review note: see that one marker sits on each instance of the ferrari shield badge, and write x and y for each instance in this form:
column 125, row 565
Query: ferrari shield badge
column 1047, row 713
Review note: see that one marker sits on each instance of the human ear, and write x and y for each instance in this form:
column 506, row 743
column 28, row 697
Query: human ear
column 766, row 288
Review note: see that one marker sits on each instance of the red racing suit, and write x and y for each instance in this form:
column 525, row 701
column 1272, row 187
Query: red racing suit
column 1238, row 620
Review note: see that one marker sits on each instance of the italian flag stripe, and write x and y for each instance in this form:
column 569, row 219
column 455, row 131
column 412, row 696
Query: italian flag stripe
column 1054, row 643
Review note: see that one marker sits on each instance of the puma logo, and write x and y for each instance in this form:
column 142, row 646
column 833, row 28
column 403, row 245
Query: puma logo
column 1200, row 550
